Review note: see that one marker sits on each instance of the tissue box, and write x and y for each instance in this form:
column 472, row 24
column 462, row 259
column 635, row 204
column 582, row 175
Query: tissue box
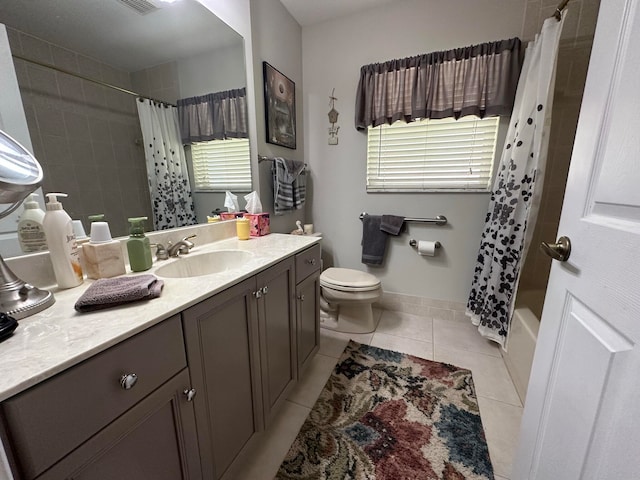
column 230, row 215
column 258, row 224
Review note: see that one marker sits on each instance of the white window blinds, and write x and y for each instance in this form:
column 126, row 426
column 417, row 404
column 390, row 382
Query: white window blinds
column 429, row 155
column 221, row 165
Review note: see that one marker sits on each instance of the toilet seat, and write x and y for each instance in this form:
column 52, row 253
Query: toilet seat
column 348, row 280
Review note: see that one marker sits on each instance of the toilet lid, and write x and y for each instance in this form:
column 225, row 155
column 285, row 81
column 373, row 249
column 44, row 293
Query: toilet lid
column 348, row 278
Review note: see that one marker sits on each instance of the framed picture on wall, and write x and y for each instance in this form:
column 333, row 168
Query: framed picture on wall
column 279, row 107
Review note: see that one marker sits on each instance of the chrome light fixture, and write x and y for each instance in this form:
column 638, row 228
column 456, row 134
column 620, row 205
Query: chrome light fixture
column 20, row 174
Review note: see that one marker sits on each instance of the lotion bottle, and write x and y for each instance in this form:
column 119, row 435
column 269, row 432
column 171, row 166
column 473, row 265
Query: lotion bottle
column 61, row 240
column 30, row 230
column 138, row 246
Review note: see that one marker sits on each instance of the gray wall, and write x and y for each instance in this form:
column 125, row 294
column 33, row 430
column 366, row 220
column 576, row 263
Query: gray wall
column 277, row 39
column 333, row 53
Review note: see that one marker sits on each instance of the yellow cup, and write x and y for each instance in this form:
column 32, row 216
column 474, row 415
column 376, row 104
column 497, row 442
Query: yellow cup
column 242, row 228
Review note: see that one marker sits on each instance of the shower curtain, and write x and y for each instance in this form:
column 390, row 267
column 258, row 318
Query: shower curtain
column 515, row 197
column 169, row 186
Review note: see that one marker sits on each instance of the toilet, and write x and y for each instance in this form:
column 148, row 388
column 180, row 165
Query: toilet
column 346, row 297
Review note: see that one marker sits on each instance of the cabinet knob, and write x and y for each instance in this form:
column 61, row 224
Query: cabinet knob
column 128, row 380
column 311, row 261
column 265, row 290
column 301, row 297
column 190, row 393
column 257, row 294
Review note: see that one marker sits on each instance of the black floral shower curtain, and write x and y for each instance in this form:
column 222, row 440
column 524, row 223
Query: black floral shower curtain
column 515, row 197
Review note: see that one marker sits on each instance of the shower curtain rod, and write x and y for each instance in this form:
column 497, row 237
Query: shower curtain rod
column 559, row 9
column 97, row 82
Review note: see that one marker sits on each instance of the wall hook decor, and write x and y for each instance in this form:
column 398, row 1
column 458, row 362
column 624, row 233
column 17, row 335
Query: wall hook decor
column 333, row 119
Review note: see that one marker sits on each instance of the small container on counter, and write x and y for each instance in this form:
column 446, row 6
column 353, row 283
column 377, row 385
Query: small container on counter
column 103, row 257
column 242, row 228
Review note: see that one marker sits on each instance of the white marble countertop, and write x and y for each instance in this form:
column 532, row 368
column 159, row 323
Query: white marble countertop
column 59, row 337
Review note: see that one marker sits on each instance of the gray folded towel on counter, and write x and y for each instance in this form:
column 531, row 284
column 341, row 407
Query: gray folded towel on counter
column 111, row 292
column 392, row 224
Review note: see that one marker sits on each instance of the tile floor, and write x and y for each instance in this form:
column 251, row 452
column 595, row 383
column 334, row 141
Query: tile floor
column 448, row 338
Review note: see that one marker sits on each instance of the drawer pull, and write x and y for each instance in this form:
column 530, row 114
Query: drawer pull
column 257, row 294
column 190, row 393
column 128, row 380
column 301, row 298
column 265, row 290
column 311, row 261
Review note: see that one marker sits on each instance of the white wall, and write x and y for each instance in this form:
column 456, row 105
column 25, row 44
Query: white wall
column 332, row 54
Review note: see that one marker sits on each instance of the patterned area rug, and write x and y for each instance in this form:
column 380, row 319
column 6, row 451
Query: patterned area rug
column 384, row 415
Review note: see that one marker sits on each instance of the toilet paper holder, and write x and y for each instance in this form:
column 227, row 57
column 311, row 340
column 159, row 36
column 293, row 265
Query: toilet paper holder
column 414, row 243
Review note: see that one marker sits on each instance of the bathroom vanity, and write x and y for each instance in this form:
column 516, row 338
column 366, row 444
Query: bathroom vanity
column 166, row 389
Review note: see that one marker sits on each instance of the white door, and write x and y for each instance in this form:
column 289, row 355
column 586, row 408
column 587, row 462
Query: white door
column 582, row 413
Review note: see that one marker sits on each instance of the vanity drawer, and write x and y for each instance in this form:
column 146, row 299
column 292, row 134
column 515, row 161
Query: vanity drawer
column 307, row 262
column 48, row 421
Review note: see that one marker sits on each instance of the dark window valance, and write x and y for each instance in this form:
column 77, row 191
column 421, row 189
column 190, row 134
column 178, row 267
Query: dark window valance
column 214, row 116
column 476, row 80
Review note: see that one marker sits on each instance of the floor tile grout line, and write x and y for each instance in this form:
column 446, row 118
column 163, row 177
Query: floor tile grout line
column 499, row 401
column 402, row 336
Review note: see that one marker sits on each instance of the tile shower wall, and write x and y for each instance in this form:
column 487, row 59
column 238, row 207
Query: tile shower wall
column 83, row 134
column 573, row 60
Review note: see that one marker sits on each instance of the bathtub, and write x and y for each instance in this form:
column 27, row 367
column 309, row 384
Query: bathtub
column 522, row 338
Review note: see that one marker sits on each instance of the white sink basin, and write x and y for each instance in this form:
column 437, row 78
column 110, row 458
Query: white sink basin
column 195, row 265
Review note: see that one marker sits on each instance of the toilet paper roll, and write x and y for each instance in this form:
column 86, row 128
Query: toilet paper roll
column 427, row 248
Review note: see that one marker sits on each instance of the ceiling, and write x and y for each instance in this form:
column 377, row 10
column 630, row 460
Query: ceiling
column 107, row 29
column 309, row 12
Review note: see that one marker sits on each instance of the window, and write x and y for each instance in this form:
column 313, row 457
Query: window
column 432, row 155
column 221, row 165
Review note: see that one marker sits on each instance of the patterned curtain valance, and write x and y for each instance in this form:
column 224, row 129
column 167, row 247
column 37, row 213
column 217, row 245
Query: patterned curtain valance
column 214, row 116
column 476, row 80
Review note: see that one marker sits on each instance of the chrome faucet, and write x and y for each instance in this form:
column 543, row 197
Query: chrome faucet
column 180, row 247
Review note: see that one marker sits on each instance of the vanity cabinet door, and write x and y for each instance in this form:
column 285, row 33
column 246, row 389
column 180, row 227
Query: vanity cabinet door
column 222, row 351
column 308, row 318
column 277, row 326
column 154, row 440
column 50, row 420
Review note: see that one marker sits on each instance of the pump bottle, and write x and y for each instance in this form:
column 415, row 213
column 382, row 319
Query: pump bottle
column 138, row 246
column 61, row 240
column 30, row 230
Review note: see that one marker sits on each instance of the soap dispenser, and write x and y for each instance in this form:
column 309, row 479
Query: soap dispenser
column 61, row 241
column 30, row 230
column 138, row 246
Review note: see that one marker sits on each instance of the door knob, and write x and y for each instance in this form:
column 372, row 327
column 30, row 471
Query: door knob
column 558, row 251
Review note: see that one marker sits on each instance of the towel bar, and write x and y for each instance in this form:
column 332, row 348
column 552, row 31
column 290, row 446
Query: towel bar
column 439, row 220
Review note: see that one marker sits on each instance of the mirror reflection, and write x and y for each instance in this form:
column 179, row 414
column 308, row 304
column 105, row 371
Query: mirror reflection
column 87, row 136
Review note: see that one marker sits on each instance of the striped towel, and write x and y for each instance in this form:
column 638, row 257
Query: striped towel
column 289, row 185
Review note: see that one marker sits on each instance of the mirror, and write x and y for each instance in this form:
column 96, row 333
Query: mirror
column 87, row 136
